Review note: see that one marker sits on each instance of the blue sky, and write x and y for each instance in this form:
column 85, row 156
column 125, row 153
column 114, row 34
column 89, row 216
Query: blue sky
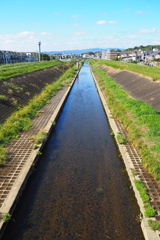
column 69, row 25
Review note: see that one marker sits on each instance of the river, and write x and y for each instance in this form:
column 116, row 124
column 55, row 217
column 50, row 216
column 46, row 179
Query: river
column 80, row 189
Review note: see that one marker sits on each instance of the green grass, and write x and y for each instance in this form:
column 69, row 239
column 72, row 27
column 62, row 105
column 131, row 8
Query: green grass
column 142, row 190
column 149, row 210
column 121, row 139
column 152, row 72
column 7, row 217
column 39, row 137
column 21, row 119
column 13, row 70
column 154, row 224
column 139, row 119
column 3, row 98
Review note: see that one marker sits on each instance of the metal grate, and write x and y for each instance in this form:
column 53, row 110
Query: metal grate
column 152, row 186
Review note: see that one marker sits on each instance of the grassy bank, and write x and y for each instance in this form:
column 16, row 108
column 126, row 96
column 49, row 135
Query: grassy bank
column 17, row 69
column 139, row 119
column 152, row 72
column 21, row 119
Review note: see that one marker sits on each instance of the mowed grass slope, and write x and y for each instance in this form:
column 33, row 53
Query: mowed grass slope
column 17, row 69
column 152, row 72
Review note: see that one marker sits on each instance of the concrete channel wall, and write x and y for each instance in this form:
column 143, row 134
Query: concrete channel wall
column 149, row 234
column 24, row 172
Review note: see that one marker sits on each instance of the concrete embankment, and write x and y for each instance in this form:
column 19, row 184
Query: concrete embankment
column 137, row 86
column 14, row 176
column 132, row 162
column 17, row 91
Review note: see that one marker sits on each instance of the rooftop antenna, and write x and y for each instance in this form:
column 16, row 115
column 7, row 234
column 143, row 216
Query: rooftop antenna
column 39, row 51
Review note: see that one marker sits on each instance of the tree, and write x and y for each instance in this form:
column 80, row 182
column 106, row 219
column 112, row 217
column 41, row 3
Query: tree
column 45, row 57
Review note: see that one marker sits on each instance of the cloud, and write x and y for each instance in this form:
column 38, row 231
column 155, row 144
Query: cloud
column 146, row 31
column 75, row 16
column 141, row 13
column 133, row 37
column 111, row 22
column 79, row 33
column 23, row 41
column 76, row 25
column 56, row 13
column 101, row 22
column 104, row 13
column 45, row 34
column 127, row 9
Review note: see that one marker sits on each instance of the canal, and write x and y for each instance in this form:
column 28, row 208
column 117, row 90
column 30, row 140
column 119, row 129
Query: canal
column 80, row 189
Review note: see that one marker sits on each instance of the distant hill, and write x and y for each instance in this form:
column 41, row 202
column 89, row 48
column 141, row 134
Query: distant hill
column 81, row 51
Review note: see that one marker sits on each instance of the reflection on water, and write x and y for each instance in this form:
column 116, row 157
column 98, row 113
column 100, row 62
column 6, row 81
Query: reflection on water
column 80, row 189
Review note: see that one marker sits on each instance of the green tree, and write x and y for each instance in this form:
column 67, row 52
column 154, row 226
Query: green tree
column 45, row 57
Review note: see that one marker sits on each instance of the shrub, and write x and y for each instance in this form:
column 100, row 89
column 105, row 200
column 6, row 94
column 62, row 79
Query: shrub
column 121, row 139
column 155, row 225
column 150, row 212
column 7, row 217
column 39, row 137
column 142, row 190
column 3, row 156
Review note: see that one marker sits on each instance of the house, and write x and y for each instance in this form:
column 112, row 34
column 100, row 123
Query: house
column 7, row 57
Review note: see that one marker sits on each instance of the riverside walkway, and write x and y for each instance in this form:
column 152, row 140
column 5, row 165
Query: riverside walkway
column 21, row 155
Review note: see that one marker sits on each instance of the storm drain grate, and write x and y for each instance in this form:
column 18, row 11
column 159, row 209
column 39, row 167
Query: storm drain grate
column 153, row 188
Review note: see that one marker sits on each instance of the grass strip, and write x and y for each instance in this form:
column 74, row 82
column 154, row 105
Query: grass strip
column 139, row 119
column 21, row 119
column 152, row 72
column 17, row 69
column 149, row 210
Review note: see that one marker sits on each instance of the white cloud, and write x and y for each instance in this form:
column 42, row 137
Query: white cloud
column 79, row 33
column 133, row 37
column 45, row 34
column 56, row 13
column 156, row 41
column 76, row 25
column 146, row 31
column 111, row 22
column 23, row 41
column 141, row 13
column 101, row 22
column 76, row 16
column 104, row 13
column 127, row 9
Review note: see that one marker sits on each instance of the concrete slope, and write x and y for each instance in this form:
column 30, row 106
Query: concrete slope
column 139, row 87
column 17, row 91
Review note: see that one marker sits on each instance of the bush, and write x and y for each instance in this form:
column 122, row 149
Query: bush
column 155, row 225
column 150, row 212
column 142, row 191
column 121, row 139
column 7, row 217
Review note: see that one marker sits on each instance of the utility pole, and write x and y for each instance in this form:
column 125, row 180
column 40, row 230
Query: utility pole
column 39, row 51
